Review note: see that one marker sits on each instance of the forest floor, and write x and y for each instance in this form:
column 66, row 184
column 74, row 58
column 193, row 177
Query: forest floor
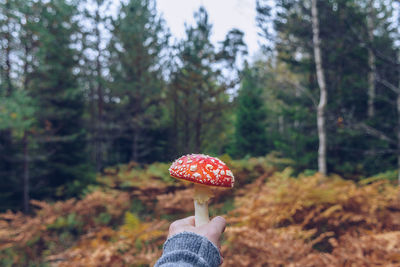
column 275, row 218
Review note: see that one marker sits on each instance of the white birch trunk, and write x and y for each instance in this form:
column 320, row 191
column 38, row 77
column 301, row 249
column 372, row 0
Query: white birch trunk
column 280, row 124
column 398, row 123
column 398, row 136
column 371, row 61
column 323, row 93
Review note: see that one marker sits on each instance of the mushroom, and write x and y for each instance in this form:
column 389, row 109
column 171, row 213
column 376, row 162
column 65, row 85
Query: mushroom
column 205, row 172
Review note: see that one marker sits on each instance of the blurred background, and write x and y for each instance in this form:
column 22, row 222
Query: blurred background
column 97, row 97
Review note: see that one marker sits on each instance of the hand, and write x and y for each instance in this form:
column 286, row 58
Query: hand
column 212, row 230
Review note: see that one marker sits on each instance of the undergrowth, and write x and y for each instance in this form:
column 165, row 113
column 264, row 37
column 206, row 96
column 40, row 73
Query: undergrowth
column 275, row 218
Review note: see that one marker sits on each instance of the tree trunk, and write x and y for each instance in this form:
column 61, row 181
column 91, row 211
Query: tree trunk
column 100, row 100
column 398, row 121
column 25, row 140
column 371, row 62
column 93, row 120
column 198, row 127
column 398, row 135
column 187, row 127
column 281, row 122
column 8, row 53
column 8, row 65
column 135, row 142
column 26, row 173
column 323, row 92
column 175, row 121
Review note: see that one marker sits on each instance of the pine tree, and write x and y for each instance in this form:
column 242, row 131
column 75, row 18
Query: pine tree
column 93, row 68
column 7, row 148
column 138, row 40
column 17, row 108
column 8, row 25
column 53, row 85
column 250, row 127
column 198, row 91
column 17, row 115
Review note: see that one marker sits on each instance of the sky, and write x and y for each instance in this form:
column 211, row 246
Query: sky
column 223, row 15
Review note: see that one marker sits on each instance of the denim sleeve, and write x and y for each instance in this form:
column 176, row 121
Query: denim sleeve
column 188, row 249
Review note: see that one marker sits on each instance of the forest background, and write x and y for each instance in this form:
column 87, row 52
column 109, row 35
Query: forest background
column 81, row 91
column 93, row 108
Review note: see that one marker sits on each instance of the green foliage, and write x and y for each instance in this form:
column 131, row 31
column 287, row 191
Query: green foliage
column 227, row 206
column 158, row 170
column 356, row 146
column 134, row 175
column 7, row 256
column 71, row 222
column 104, row 218
column 136, row 64
column 309, row 172
column 250, row 135
column 198, row 92
column 137, row 207
column 388, row 175
column 17, row 123
column 56, row 91
column 17, row 113
column 77, row 96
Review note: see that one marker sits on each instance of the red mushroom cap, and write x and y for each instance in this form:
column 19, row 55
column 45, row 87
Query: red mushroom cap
column 202, row 169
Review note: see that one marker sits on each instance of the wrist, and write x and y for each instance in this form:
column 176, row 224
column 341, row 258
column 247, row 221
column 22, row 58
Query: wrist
column 194, row 243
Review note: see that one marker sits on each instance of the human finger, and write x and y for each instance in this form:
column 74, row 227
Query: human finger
column 218, row 224
column 188, row 221
column 185, row 221
column 181, row 225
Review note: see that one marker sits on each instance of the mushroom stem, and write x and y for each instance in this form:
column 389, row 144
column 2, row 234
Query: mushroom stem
column 200, row 213
column 201, row 196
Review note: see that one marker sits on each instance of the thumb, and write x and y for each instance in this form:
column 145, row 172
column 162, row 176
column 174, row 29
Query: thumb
column 218, row 224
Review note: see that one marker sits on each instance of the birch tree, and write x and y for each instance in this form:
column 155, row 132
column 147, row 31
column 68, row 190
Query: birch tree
column 392, row 85
column 398, row 97
column 323, row 92
column 398, row 122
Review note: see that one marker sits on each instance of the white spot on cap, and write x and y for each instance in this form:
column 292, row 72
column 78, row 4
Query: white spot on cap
column 180, row 161
column 229, row 173
column 193, row 168
column 222, row 172
column 209, row 167
column 196, row 175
